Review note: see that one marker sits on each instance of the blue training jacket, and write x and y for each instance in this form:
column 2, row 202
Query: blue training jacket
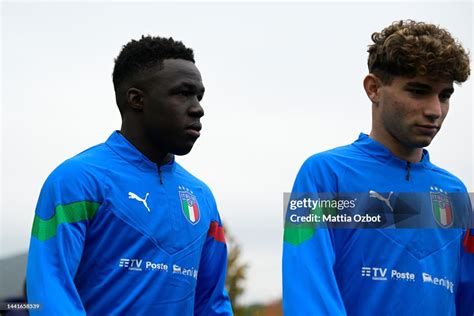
column 116, row 234
column 377, row 271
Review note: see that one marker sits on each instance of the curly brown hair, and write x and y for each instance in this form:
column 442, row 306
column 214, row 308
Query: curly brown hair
column 409, row 48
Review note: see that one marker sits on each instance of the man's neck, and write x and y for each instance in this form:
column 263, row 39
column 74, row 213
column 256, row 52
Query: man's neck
column 145, row 147
column 398, row 149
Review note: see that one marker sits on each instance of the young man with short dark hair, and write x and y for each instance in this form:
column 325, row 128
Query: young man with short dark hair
column 122, row 228
column 383, row 270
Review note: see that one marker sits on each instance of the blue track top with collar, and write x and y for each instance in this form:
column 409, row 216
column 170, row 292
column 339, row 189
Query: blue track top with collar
column 115, row 234
column 378, row 271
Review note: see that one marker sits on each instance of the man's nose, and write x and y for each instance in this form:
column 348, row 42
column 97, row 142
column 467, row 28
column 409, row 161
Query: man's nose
column 433, row 107
column 196, row 110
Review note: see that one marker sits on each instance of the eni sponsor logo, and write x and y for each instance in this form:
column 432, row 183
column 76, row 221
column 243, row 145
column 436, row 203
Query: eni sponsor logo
column 189, row 272
column 443, row 282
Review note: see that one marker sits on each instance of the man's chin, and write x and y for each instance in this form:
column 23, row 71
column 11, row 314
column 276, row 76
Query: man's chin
column 422, row 142
column 183, row 150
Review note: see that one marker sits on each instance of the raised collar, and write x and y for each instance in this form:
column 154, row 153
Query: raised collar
column 122, row 147
column 383, row 154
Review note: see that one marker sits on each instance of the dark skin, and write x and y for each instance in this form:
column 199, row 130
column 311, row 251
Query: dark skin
column 162, row 110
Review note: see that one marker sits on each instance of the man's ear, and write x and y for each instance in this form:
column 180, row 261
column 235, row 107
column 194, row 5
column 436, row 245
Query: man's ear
column 372, row 85
column 135, row 99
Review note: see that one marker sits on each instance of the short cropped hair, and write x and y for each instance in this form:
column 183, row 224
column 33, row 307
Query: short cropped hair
column 146, row 53
column 409, row 49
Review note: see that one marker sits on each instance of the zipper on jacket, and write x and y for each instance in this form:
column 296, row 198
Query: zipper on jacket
column 407, row 177
column 160, row 175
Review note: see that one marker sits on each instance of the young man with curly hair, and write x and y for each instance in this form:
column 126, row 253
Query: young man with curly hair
column 122, row 228
column 392, row 270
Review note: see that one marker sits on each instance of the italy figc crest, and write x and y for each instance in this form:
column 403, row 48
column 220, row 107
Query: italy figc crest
column 441, row 207
column 189, row 205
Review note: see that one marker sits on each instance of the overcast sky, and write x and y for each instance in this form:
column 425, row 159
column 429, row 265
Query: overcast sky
column 283, row 81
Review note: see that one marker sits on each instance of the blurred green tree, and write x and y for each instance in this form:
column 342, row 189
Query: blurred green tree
column 236, row 272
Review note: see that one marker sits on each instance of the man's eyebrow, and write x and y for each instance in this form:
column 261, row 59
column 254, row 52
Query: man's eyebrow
column 191, row 86
column 418, row 85
column 449, row 90
column 424, row 86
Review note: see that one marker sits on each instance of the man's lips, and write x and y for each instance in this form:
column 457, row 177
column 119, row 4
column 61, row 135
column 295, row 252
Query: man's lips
column 427, row 129
column 194, row 129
